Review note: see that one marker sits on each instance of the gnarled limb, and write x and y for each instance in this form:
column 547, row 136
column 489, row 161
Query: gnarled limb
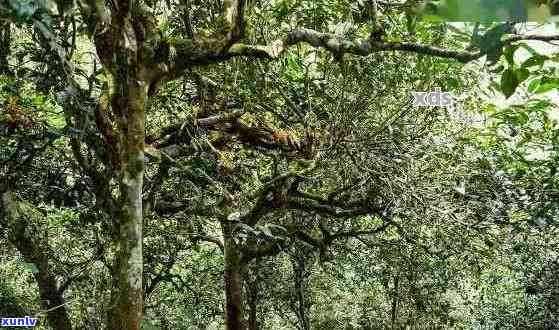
column 232, row 128
column 339, row 46
column 333, row 43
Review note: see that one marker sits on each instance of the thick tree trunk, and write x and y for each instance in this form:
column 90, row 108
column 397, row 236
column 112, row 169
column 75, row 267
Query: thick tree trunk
column 129, row 103
column 5, row 41
column 300, row 278
column 234, row 312
column 52, row 300
column 252, row 297
column 26, row 235
column 253, row 310
column 120, row 50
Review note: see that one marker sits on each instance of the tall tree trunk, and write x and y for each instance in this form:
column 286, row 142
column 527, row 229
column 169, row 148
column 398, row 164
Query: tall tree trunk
column 5, row 41
column 129, row 63
column 300, row 271
column 27, row 236
column 252, row 297
column 52, row 299
column 253, row 315
column 234, row 313
column 129, row 103
column 395, row 298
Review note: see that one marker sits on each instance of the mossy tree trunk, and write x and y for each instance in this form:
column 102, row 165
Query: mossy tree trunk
column 5, row 42
column 129, row 255
column 121, row 52
column 233, row 279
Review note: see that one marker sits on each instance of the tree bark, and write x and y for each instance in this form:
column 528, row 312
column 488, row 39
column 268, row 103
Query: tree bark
column 129, row 103
column 5, row 41
column 126, row 60
column 300, row 278
column 52, row 299
column 395, row 298
column 26, row 236
column 252, row 297
column 234, row 312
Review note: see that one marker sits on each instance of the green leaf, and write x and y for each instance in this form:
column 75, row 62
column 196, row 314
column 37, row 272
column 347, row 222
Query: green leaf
column 452, row 83
column 534, row 85
column 521, row 74
column 531, row 50
column 546, row 87
column 509, row 82
column 521, row 118
column 539, row 105
column 31, row 267
column 509, row 54
column 536, row 60
column 543, row 85
column 492, row 45
column 498, row 69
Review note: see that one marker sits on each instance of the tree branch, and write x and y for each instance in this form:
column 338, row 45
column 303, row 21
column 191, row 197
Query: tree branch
column 165, row 208
column 233, row 127
column 96, row 15
column 536, row 37
column 313, row 206
column 210, row 239
column 250, row 252
column 190, row 53
column 339, row 46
